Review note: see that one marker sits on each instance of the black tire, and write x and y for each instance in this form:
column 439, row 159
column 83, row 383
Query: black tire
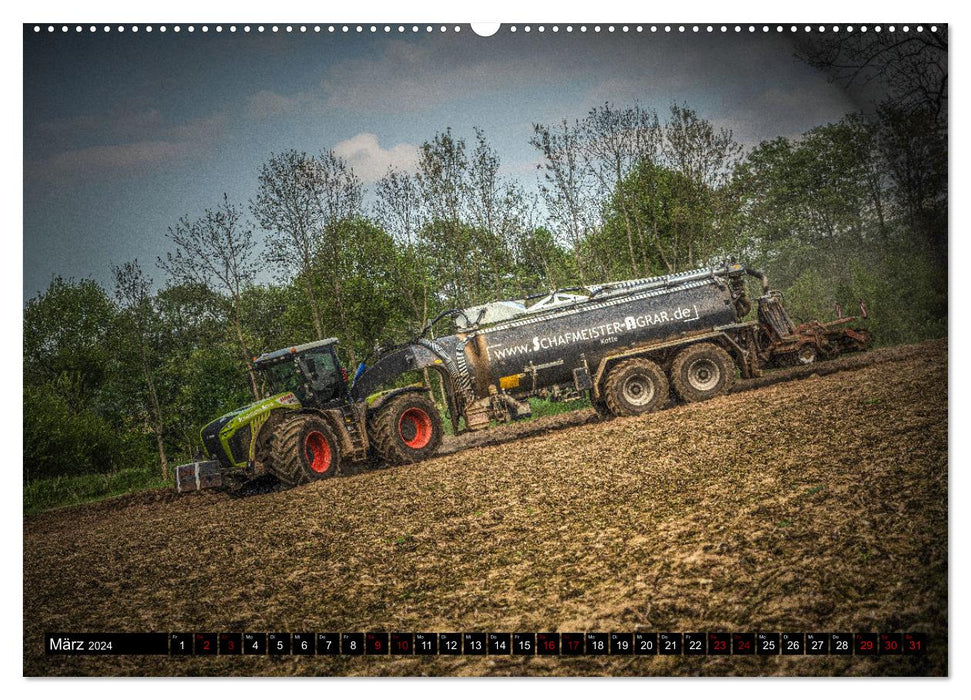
column 600, row 407
column 702, row 371
column 304, row 450
column 406, row 429
column 634, row 387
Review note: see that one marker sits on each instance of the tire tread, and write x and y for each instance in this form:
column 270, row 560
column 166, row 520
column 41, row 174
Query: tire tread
column 724, row 360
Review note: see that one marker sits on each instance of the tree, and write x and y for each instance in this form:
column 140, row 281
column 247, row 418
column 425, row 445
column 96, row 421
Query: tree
column 341, row 194
column 908, row 68
column 824, row 191
column 913, row 146
column 373, row 304
column 132, row 290
column 565, row 186
column 399, row 212
column 305, row 202
column 65, row 332
column 69, row 428
column 498, row 209
column 614, row 141
column 197, row 367
column 288, row 205
column 540, row 263
column 652, row 194
column 443, row 184
column 705, row 158
column 216, row 251
column 903, row 75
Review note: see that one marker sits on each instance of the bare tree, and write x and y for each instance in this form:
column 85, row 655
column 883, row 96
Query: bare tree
column 705, row 158
column 565, row 182
column 288, row 205
column 614, row 142
column 216, row 251
column 908, row 68
column 132, row 290
column 341, row 195
column 398, row 210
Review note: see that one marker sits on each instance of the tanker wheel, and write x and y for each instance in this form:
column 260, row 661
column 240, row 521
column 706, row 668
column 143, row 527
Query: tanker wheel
column 304, row 450
column 407, row 429
column 702, row 371
column 634, row 387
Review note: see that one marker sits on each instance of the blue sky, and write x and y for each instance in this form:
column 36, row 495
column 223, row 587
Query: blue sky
column 125, row 133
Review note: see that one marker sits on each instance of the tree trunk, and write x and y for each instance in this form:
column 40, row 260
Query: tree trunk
column 878, row 205
column 576, row 257
column 315, row 312
column 339, row 299
column 161, row 454
column 157, row 425
column 630, row 240
column 247, row 358
column 660, row 249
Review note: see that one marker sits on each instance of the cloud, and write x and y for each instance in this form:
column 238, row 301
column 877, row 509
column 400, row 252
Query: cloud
column 99, row 158
column 146, row 143
column 370, row 162
column 267, row 104
column 786, row 111
column 123, row 123
column 411, row 77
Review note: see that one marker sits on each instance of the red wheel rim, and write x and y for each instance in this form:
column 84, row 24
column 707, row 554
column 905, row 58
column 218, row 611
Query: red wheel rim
column 318, row 451
column 415, row 428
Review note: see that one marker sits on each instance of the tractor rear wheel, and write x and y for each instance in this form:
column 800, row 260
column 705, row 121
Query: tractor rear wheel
column 634, row 387
column 407, row 429
column 702, row 371
column 304, row 450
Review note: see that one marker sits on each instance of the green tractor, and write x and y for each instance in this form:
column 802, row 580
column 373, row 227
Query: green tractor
column 312, row 425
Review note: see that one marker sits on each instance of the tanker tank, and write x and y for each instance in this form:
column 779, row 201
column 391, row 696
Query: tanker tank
column 522, row 351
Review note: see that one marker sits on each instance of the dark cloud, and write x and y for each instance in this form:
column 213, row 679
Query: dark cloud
column 149, row 144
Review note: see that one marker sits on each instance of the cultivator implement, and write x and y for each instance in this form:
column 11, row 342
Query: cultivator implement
column 808, row 342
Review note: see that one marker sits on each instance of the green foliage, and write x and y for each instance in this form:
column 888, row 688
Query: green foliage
column 854, row 211
column 810, row 296
column 209, row 384
column 60, row 491
column 541, row 264
column 676, row 222
column 65, row 331
column 907, row 294
column 63, row 436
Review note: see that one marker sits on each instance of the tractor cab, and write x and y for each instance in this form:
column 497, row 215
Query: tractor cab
column 311, row 371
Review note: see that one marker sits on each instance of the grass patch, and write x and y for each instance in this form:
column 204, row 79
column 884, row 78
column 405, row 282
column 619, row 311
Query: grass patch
column 59, row 491
column 551, row 408
column 540, row 408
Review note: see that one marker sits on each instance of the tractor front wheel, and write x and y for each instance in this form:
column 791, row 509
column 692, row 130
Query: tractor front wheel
column 304, row 450
column 407, row 429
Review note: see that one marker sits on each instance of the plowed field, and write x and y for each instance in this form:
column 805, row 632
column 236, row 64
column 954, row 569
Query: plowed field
column 817, row 504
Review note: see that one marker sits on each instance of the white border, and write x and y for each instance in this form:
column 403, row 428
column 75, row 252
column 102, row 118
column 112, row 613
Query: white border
column 601, row 11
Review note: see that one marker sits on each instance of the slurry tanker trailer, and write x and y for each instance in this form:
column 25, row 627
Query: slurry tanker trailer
column 629, row 346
